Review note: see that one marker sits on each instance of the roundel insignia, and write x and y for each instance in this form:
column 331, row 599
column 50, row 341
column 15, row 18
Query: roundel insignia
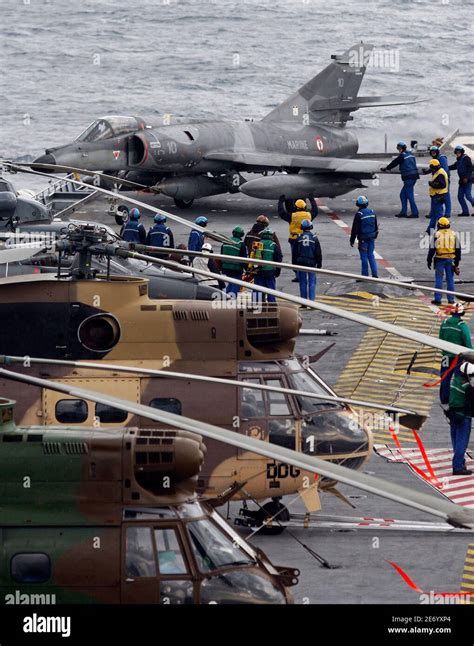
column 319, row 143
column 255, row 431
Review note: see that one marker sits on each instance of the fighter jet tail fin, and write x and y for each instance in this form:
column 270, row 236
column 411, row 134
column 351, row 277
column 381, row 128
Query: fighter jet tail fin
column 331, row 95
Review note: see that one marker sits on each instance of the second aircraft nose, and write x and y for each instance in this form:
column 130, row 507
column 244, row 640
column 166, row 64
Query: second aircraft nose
column 48, row 159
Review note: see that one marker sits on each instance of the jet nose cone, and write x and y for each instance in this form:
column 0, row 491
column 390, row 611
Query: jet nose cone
column 44, row 159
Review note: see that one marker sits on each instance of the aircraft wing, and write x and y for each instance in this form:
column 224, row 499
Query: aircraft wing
column 278, row 161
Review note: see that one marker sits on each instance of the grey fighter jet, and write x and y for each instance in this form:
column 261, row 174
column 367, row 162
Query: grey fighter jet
column 300, row 149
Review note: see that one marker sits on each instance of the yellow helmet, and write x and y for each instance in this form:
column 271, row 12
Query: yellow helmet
column 434, row 163
column 444, row 223
column 300, row 204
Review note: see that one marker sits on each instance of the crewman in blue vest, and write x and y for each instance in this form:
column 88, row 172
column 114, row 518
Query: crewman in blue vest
column 409, row 172
column 308, row 253
column 267, row 274
column 463, row 165
column 365, row 229
column 160, row 235
column 444, row 163
column 196, row 237
column 230, row 267
column 133, row 230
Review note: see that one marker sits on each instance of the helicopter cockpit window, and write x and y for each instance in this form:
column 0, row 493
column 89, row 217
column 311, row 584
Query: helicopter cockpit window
column 167, row 404
column 71, row 411
column 30, row 568
column 304, row 381
column 140, row 558
column 277, row 402
column 108, row 415
column 252, row 404
column 282, row 432
column 170, row 559
column 260, row 366
column 213, row 549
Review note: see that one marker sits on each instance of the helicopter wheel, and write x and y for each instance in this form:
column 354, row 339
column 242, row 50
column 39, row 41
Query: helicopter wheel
column 121, row 217
column 184, row 204
column 269, row 510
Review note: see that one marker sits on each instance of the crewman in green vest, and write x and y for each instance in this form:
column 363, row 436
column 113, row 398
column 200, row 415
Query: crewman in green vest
column 454, row 330
column 267, row 274
column 232, row 268
column 460, row 415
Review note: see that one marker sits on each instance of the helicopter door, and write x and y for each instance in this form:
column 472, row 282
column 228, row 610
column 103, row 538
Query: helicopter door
column 139, row 569
column 155, row 568
column 64, row 409
column 252, row 417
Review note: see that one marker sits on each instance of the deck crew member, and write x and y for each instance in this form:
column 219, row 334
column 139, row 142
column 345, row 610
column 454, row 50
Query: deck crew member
column 196, row 237
column 460, row 415
column 295, row 219
column 454, row 330
column 267, row 274
column 463, row 165
column 308, row 253
column 133, row 230
column 160, row 235
column 365, row 229
column 444, row 163
column 445, row 250
column 409, row 172
column 230, row 267
column 438, row 189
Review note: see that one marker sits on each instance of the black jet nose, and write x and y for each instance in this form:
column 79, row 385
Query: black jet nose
column 44, row 159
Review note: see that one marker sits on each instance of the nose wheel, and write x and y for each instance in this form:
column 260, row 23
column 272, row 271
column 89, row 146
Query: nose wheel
column 184, row 204
column 268, row 517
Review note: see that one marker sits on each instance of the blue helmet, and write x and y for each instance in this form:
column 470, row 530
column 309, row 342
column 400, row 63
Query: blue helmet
column 306, row 225
column 362, row 201
column 401, row 144
column 459, row 149
column 134, row 214
column 159, row 218
column 201, row 221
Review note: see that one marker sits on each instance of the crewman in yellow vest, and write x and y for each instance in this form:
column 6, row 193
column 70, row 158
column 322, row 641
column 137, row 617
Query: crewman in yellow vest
column 445, row 250
column 295, row 219
column 439, row 188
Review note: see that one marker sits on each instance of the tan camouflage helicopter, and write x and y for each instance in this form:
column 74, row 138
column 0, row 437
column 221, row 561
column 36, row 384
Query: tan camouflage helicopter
column 262, row 390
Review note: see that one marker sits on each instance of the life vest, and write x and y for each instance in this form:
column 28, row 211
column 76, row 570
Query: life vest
column 306, row 249
column 268, row 253
column 295, row 225
column 454, row 330
column 131, row 231
column 233, row 249
column 408, row 168
column 439, row 191
column 445, row 243
column 159, row 236
column 367, row 224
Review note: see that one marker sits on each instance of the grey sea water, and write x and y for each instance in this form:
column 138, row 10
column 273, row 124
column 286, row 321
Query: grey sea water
column 63, row 64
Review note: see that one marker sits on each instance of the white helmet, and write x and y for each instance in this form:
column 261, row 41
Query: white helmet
column 206, row 247
column 467, row 369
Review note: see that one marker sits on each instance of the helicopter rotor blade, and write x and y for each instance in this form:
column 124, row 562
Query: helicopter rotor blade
column 213, row 235
column 314, row 270
column 18, row 253
column 415, row 418
column 390, row 328
column 452, row 513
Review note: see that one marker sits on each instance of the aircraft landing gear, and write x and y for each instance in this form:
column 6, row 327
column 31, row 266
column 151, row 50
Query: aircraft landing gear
column 256, row 518
column 121, row 216
column 183, row 204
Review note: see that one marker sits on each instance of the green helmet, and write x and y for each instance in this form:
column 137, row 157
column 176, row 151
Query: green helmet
column 267, row 234
column 238, row 232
